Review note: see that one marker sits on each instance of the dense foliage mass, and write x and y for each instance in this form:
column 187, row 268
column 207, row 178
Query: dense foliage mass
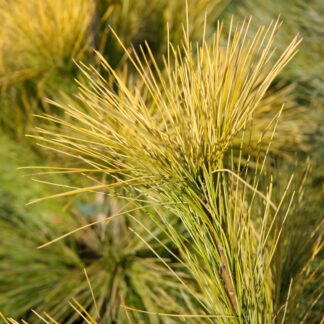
column 172, row 171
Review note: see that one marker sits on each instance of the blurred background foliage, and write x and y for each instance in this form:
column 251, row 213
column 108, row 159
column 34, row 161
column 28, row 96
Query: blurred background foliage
column 38, row 42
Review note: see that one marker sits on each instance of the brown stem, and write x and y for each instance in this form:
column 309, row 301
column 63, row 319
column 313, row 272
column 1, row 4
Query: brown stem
column 225, row 270
column 226, row 275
